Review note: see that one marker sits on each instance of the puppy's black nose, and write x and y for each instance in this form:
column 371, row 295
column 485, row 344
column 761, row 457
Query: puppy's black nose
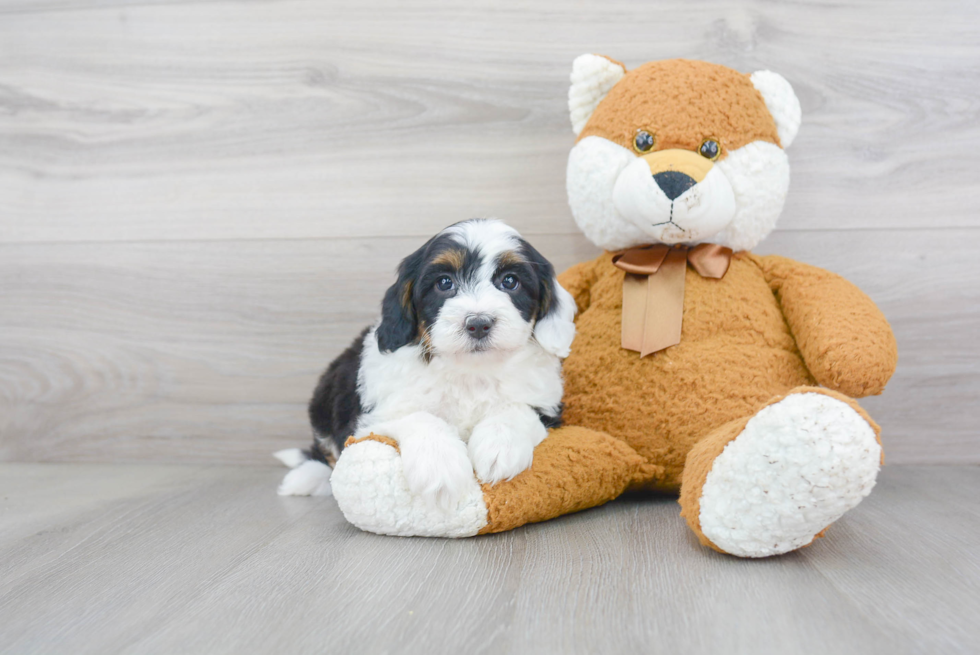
column 673, row 183
column 478, row 326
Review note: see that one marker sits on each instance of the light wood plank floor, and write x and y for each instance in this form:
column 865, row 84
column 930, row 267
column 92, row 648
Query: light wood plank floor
column 207, row 559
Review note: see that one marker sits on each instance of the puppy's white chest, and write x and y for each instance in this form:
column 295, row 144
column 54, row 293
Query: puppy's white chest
column 463, row 392
column 468, row 399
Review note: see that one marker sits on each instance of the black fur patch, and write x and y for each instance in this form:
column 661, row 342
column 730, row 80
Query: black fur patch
column 545, row 274
column 399, row 322
column 534, row 297
column 549, row 421
column 336, row 405
column 412, row 304
column 460, row 268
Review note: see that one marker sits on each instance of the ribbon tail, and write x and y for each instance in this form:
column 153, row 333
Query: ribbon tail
column 653, row 291
column 634, row 310
column 664, row 305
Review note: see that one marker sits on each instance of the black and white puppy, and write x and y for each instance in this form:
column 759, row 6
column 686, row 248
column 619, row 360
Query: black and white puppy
column 463, row 369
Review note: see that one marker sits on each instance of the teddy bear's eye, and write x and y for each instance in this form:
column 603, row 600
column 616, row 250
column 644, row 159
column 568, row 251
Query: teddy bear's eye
column 643, row 141
column 710, row 149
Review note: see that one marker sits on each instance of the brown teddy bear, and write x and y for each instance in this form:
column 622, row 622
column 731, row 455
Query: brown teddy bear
column 698, row 367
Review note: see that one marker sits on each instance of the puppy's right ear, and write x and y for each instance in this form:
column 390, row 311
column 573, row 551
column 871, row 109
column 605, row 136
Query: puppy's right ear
column 399, row 321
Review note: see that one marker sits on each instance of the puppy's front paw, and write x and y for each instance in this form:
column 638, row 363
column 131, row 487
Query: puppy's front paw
column 499, row 452
column 437, row 469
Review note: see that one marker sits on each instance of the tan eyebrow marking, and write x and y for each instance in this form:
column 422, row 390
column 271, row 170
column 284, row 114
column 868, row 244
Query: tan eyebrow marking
column 407, row 295
column 452, row 257
column 511, row 258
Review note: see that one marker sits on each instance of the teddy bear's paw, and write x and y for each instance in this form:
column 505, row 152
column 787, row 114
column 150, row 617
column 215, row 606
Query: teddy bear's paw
column 797, row 467
column 371, row 489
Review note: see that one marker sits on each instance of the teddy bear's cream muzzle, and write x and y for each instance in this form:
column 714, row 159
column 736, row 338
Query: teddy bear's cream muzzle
column 675, row 196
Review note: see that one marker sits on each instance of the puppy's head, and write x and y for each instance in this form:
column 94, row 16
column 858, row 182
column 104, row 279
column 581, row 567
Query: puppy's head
column 476, row 287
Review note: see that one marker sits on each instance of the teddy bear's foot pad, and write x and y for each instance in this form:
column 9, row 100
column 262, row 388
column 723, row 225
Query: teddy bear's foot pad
column 370, row 487
column 797, row 466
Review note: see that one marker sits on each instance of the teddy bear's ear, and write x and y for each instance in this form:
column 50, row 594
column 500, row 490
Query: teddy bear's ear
column 592, row 77
column 781, row 102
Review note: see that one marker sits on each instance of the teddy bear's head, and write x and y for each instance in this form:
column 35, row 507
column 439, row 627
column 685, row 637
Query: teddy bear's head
column 678, row 151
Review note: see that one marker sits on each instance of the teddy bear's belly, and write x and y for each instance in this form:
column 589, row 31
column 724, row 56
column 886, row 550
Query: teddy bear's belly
column 736, row 352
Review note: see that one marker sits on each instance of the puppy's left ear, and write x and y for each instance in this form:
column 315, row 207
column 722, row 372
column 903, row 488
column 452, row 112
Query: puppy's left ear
column 555, row 331
column 554, row 328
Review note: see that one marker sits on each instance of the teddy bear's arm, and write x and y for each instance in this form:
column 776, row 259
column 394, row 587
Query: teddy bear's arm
column 578, row 281
column 844, row 338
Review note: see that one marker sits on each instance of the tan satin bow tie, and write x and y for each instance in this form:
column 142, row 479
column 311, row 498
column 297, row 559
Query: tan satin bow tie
column 653, row 290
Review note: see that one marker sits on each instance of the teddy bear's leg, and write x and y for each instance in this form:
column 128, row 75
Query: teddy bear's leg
column 772, row 482
column 370, row 487
column 573, row 469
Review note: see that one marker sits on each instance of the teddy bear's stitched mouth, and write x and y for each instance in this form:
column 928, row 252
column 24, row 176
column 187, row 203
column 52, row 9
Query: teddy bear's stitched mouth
column 670, row 220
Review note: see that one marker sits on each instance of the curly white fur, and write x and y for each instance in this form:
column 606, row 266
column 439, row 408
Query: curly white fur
column 452, row 400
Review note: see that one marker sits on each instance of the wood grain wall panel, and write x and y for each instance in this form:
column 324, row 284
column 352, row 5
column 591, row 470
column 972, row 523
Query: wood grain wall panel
column 181, row 351
column 202, row 202
column 208, row 351
column 126, row 121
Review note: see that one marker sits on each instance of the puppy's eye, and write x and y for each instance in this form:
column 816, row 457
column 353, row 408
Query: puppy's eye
column 445, row 283
column 643, row 141
column 710, row 149
column 509, row 282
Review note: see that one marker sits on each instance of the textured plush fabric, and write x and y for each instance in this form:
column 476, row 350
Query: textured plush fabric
column 388, row 441
column 592, row 77
column 736, row 353
column 669, row 100
column 782, row 103
column 702, row 457
column 373, row 494
column 822, row 310
column 573, row 469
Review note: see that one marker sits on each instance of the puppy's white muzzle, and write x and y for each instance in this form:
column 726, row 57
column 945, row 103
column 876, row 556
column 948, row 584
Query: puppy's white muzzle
column 674, row 196
column 487, row 306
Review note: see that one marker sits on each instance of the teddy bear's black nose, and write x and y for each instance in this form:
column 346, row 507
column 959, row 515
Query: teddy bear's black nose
column 673, row 183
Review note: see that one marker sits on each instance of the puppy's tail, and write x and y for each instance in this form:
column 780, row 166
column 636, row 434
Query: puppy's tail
column 308, row 477
column 291, row 457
